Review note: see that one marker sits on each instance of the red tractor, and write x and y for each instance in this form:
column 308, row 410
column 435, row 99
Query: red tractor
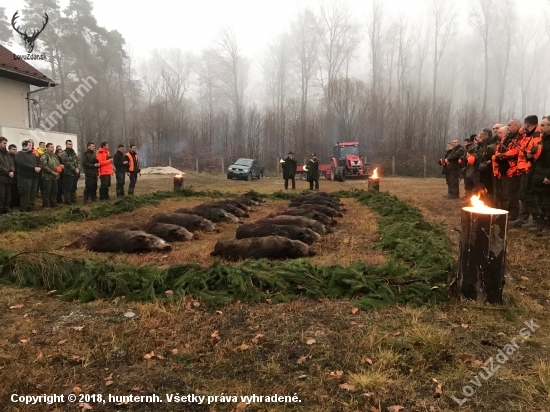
column 346, row 162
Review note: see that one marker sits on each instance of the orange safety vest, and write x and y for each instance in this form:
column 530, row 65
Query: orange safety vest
column 35, row 152
column 512, row 155
column 471, row 158
column 528, row 145
column 131, row 166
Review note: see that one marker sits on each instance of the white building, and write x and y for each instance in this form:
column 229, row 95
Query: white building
column 16, row 78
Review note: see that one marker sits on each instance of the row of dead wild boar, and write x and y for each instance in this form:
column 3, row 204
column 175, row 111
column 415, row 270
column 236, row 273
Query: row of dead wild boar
column 280, row 235
column 287, row 234
column 164, row 228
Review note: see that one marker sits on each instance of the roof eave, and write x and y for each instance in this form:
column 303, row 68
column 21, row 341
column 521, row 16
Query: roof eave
column 20, row 77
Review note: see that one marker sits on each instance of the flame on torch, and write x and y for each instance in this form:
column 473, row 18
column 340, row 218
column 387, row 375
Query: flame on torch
column 179, row 175
column 375, row 174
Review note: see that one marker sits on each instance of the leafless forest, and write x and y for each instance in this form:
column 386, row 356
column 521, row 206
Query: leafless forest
column 428, row 82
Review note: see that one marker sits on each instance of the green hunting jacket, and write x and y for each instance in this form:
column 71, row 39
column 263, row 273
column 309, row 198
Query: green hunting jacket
column 71, row 162
column 49, row 163
column 6, row 166
column 89, row 159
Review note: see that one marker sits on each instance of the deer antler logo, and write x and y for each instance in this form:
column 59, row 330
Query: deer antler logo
column 29, row 40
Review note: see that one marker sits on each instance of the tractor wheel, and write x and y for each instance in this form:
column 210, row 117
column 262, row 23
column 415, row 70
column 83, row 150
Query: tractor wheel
column 332, row 173
column 340, row 174
column 303, row 176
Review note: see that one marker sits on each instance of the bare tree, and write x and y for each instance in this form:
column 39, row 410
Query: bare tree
column 231, row 70
column 444, row 19
column 338, row 38
column 421, row 41
column 503, row 47
column 481, row 19
column 305, row 43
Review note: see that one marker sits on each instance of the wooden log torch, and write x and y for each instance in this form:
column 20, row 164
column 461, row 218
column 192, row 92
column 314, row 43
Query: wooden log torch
column 374, row 181
column 482, row 253
column 178, row 183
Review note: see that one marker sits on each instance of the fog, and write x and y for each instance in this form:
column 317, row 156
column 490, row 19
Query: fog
column 213, row 79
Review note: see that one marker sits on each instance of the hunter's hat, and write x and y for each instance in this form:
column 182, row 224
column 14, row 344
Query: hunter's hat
column 290, row 153
column 313, row 154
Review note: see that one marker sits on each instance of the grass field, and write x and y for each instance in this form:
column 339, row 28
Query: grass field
column 333, row 357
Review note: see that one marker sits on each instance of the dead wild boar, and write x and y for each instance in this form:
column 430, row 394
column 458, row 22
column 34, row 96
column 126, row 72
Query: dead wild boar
column 312, row 214
column 229, row 208
column 317, row 201
column 192, row 223
column 120, row 240
column 298, row 221
column 329, row 211
column 270, row 247
column 214, row 214
column 292, row 232
column 170, row 233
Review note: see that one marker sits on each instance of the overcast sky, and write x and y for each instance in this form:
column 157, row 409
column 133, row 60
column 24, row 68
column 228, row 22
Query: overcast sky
column 192, row 24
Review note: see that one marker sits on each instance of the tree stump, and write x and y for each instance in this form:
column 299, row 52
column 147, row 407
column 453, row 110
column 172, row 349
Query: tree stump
column 374, row 183
column 482, row 254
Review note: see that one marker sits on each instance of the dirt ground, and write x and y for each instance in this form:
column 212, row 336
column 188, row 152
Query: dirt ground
column 331, row 356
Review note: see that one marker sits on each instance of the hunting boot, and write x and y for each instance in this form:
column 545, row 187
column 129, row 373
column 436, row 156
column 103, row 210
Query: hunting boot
column 533, row 223
column 131, row 191
column 545, row 231
column 519, row 222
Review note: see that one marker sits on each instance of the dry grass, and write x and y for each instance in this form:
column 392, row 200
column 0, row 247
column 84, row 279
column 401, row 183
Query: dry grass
column 388, row 357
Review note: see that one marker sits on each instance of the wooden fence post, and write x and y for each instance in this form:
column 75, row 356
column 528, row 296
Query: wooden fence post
column 424, row 166
column 393, row 165
column 223, row 166
column 197, row 164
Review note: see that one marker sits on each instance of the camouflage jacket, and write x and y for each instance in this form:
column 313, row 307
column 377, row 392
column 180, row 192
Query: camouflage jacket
column 49, row 163
column 6, row 166
column 71, row 162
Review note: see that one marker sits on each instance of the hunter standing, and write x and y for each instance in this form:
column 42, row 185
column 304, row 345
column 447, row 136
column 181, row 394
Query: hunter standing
column 105, row 170
column 14, row 201
column 289, row 170
column 6, row 175
column 71, row 172
column 133, row 168
column 485, row 151
column 27, row 175
column 121, row 165
column 51, row 169
column 313, row 172
column 90, row 163
column 454, row 160
column 540, row 182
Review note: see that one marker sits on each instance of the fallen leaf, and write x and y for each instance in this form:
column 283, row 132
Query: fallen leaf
column 129, row 314
column 109, row 377
column 76, row 390
column 159, row 357
column 241, row 406
column 337, row 374
column 268, row 301
column 438, row 391
column 85, row 406
column 108, row 383
column 17, row 306
column 78, row 328
column 465, row 357
column 310, row 341
column 244, row 346
column 256, row 338
column 149, row 355
column 464, row 325
column 354, row 311
column 196, row 304
column 395, row 408
column 366, row 359
column 397, row 334
column 524, row 278
column 50, row 292
column 61, row 342
column 215, row 335
column 301, row 360
column 174, row 351
column 169, row 293
column 24, row 340
column 347, row 387
column 478, row 363
column 219, row 312
column 76, row 358
column 25, row 315
column 501, row 334
column 136, row 388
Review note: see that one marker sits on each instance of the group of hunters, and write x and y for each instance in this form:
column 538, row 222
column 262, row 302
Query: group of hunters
column 54, row 173
column 509, row 168
column 289, row 171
